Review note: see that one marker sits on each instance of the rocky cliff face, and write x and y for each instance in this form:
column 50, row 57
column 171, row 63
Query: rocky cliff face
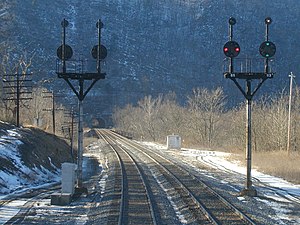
column 157, row 46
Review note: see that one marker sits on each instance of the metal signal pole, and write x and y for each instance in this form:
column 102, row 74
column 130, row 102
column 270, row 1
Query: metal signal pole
column 80, row 135
column 64, row 53
column 248, row 134
column 18, row 100
column 72, row 134
column 231, row 49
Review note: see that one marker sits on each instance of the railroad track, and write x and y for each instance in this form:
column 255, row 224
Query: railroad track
column 284, row 194
column 197, row 202
column 135, row 206
column 25, row 202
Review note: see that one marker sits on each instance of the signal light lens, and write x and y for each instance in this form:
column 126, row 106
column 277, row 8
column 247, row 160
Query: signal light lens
column 231, row 49
column 267, row 49
column 64, row 52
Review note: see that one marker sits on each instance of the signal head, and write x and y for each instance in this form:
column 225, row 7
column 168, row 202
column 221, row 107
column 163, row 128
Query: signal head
column 267, row 49
column 268, row 20
column 103, row 52
column 232, row 21
column 64, row 23
column 231, row 49
column 64, row 52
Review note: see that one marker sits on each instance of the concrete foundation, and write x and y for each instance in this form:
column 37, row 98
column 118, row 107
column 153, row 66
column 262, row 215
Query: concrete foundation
column 249, row 192
column 61, row 199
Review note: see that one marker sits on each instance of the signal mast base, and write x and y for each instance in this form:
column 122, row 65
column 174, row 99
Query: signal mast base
column 251, row 192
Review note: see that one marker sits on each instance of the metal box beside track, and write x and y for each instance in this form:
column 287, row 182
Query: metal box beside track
column 173, row 142
column 68, row 178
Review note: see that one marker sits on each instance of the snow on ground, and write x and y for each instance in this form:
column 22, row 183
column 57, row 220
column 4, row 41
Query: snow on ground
column 18, row 176
column 10, row 150
column 219, row 160
column 10, row 210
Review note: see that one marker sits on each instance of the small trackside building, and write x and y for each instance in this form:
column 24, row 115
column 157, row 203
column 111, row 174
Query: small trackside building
column 173, row 142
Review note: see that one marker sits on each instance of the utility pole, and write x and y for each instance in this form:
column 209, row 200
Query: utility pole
column 289, row 113
column 72, row 134
column 17, row 88
column 53, row 108
column 68, row 129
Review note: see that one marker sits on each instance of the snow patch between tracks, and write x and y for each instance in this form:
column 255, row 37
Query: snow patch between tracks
column 168, row 192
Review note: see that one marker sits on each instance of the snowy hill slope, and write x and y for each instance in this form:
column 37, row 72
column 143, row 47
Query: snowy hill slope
column 29, row 156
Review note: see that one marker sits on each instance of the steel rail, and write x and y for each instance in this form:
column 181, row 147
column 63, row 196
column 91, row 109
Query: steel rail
column 279, row 191
column 238, row 212
column 181, row 184
column 112, row 142
column 122, row 203
column 25, row 210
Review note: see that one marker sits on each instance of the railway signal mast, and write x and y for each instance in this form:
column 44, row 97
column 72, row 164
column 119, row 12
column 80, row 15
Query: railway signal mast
column 75, row 70
column 231, row 50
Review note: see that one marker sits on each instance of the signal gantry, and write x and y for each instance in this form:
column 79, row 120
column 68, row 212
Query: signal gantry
column 75, row 70
column 231, row 50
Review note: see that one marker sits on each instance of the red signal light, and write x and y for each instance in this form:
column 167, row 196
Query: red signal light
column 231, row 49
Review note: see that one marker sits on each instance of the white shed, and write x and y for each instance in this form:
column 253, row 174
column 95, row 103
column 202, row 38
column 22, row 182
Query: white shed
column 173, row 142
column 68, row 178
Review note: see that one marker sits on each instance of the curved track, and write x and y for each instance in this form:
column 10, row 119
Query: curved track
column 27, row 200
column 258, row 183
column 135, row 203
column 200, row 203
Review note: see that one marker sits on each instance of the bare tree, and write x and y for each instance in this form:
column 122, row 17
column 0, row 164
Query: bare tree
column 269, row 129
column 149, row 109
column 206, row 109
column 171, row 116
column 15, row 67
column 36, row 114
column 124, row 119
column 205, row 122
column 295, row 118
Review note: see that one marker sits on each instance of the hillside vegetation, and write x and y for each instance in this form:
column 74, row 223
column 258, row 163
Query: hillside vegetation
column 153, row 46
column 29, row 156
column 206, row 122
